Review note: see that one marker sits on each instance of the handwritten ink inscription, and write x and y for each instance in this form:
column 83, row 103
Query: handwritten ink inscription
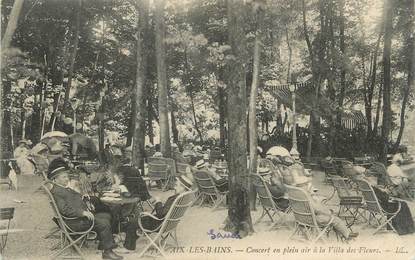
column 218, row 235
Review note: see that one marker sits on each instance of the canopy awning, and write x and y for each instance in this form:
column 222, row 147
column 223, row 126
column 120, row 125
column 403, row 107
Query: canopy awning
column 304, row 98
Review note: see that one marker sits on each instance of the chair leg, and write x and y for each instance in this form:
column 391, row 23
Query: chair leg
column 387, row 222
column 52, row 232
column 196, row 199
column 152, row 243
column 218, row 201
column 320, row 234
column 72, row 244
column 261, row 217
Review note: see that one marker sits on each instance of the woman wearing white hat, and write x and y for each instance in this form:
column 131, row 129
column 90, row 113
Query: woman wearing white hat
column 21, row 154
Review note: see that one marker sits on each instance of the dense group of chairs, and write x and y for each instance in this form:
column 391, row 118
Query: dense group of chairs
column 356, row 199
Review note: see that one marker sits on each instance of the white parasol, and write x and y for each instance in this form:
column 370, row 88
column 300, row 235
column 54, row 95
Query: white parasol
column 278, row 151
column 54, row 134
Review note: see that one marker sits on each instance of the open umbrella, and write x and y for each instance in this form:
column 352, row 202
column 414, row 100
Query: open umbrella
column 278, row 151
column 54, row 134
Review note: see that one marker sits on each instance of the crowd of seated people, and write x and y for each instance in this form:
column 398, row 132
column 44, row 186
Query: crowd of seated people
column 119, row 171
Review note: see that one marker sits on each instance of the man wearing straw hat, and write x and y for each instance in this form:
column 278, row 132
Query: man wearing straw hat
column 220, row 182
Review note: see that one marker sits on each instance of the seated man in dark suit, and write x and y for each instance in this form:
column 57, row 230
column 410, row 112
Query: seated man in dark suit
column 182, row 185
column 276, row 188
column 130, row 177
column 71, row 204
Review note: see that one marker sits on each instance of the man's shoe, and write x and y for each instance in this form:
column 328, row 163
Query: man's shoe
column 109, row 254
column 352, row 236
column 123, row 250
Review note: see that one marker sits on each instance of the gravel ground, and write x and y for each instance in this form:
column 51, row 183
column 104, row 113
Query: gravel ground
column 34, row 214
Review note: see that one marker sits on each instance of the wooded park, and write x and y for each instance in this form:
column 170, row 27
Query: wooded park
column 323, row 79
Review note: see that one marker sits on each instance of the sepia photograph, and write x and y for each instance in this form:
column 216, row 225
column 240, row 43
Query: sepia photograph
column 207, row 129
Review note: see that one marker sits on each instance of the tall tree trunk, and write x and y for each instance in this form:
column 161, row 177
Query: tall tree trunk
column 378, row 109
column 195, row 123
column 387, row 113
column 331, row 75
column 313, row 130
column 133, row 112
column 175, row 131
column 409, row 35
column 140, row 110
column 11, row 25
column 85, row 92
column 222, row 117
column 239, row 214
column 371, row 88
column 290, row 54
column 6, row 150
column 150, row 117
column 253, row 135
column 190, row 93
column 252, row 120
column 73, row 54
column 342, row 74
column 6, row 145
column 162, row 78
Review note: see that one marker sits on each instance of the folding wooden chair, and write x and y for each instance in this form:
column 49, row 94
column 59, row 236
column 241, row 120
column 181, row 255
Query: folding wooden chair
column 214, row 155
column 350, row 203
column 380, row 216
column 6, row 214
column 267, row 163
column 69, row 238
column 182, row 168
column 305, row 217
column 169, row 225
column 158, row 173
column 207, row 189
column 269, row 207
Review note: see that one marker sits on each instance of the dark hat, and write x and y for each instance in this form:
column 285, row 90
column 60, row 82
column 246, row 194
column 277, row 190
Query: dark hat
column 57, row 167
column 185, row 182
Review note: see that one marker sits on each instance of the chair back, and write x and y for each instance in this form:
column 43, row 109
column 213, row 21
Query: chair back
column 301, row 206
column 6, row 213
column 177, row 211
column 162, row 160
column 343, row 191
column 159, row 160
column 215, row 154
column 47, row 187
column 339, row 164
column 267, row 163
column 58, row 218
column 264, row 195
column 182, row 168
column 369, row 196
column 171, row 166
column 157, row 171
column 205, row 183
column 348, row 168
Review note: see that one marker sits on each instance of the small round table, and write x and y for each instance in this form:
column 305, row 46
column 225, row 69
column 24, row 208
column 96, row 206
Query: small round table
column 119, row 201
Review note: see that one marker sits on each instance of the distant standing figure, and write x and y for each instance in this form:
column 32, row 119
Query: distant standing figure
column 21, row 155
